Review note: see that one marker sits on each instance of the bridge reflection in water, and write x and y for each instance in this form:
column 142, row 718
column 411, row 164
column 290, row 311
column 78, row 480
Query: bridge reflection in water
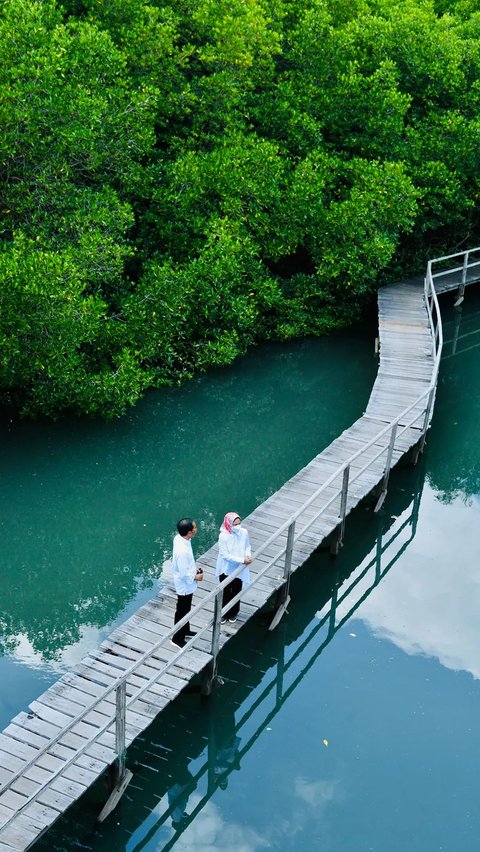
column 219, row 732
column 461, row 334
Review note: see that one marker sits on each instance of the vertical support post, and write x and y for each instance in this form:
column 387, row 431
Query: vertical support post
column 388, row 465
column 210, row 674
column 287, row 568
column 120, row 776
column 461, row 289
column 120, row 721
column 283, row 598
column 338, row 540
column 418, row 449
column 426, row 421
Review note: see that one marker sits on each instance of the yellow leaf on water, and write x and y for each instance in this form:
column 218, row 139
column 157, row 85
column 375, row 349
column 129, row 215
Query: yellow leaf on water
column 325, row 742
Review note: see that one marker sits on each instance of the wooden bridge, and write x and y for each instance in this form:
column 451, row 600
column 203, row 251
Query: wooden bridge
column 81, row 725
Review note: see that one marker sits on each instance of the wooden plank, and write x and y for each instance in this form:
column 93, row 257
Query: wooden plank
column 5, row 776
column 30, row 722
column 10, row 762
column 16, row 748
column 18, row 835
column 23, row 735
column 6, row 812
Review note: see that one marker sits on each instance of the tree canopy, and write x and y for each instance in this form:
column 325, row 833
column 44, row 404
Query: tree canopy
column 182, row 178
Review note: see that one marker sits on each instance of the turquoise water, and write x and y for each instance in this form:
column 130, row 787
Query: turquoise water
column 353, row 726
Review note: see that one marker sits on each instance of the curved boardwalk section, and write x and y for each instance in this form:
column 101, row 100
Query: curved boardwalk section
column 52, row 754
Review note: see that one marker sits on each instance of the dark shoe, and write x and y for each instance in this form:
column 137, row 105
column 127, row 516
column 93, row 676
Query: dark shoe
column 232, row 620
column 223, row 621
column 180, row 643
column 191, row 634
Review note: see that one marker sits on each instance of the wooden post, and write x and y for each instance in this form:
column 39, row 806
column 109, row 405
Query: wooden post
column 121, row 775
column 426, row 420
column 210, row 675
column 338, row 539
column 120, row 719
column 284, row 597
column 388, row 465
column 418, row 449
column 461, row 289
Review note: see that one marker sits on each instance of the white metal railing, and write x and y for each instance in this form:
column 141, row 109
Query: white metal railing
column 468, row 270
column 118, row 704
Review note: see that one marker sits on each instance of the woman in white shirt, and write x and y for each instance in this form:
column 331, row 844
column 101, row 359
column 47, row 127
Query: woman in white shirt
column 233, row 550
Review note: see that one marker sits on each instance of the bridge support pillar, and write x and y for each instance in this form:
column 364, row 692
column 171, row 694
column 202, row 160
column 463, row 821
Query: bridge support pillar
column 283, row 596
column 388, row 465
column 121, row 776
column 210, row 676
column 337, row 541
column 461, row 289
column 426, row 422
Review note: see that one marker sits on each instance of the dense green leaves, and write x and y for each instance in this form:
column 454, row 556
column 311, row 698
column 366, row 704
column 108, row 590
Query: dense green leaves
column 182, row 179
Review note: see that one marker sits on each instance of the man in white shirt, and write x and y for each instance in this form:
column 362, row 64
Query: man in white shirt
column 185, row 576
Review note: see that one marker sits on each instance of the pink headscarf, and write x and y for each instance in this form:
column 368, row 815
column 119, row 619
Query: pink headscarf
column 228, row 521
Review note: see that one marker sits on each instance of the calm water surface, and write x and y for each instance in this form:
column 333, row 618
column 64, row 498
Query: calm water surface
column 354, row 726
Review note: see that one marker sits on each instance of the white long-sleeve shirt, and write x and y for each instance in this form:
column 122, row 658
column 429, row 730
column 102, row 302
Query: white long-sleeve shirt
column 232, row 550
column 183, row 566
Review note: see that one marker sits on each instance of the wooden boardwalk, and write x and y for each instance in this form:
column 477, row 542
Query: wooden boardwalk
column 50, row 755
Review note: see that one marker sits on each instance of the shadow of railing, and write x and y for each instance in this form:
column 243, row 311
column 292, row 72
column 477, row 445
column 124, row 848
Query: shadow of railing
column 461, row 341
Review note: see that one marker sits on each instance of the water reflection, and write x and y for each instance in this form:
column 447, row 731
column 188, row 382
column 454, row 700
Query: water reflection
column 455, row 472
column 431, row 606
column 225, row 745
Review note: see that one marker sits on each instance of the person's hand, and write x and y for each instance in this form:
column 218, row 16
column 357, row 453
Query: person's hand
column 247, row 560
column 199, row 574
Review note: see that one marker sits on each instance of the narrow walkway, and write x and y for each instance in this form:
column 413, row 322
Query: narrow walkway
column 52, row 754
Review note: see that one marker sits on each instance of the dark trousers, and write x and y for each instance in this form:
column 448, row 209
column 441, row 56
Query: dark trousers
column 229, row 593
column 184, row 605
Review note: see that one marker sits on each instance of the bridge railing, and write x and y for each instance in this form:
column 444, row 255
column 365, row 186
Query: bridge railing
column 415, row 416
column 448, row 277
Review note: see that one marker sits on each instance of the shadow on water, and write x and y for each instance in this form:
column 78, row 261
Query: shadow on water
column 196, row 744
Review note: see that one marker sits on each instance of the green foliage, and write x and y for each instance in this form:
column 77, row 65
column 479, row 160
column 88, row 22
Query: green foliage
column 189, row 316
column 54, row 336
column 182, row 179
